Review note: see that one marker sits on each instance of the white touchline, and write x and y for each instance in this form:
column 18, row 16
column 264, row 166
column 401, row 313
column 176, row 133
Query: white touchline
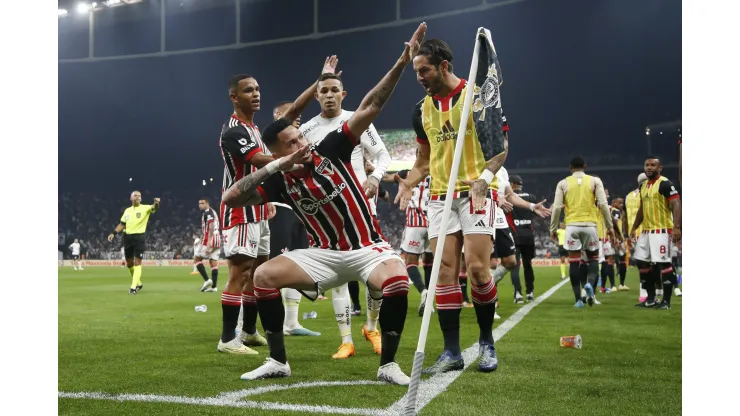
column 435, row 385
column 428, row 390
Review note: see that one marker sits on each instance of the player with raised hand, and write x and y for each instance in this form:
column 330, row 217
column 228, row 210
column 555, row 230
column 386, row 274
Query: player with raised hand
column 346, row 243
column 330, row 93
column 133, row 223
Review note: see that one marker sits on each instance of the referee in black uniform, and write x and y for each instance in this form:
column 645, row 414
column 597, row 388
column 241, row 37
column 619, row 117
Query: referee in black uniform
column 133, row 223
column 523, row 231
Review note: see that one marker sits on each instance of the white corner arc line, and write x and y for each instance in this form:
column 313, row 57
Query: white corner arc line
column 428, row 390
column 233, row 399
column 435, row 385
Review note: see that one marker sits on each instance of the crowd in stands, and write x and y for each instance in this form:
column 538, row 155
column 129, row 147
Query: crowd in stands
column 91, row 217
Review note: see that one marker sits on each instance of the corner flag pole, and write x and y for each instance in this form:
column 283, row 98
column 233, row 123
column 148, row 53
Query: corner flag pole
column 410, row 408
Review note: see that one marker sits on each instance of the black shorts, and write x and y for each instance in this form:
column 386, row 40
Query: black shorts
column 525, row 251
column 287, row 232
column 562, row 251
column 75, row 257
column 503, row 245
column 134, row 245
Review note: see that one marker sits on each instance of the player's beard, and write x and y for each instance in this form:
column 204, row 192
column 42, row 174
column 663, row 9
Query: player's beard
column 436, row 85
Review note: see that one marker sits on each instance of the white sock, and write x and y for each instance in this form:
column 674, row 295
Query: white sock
column 342, row 311
column 240, row 321
column 373, row 311
column 292, row 298
column 79, row 264
column 499, row 273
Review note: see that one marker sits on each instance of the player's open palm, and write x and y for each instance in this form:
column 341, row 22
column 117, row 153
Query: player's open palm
column 541, row 210
column 296, row 158
column 478, row 193
column 330, row 65
column 404, row 194
column 413, row 45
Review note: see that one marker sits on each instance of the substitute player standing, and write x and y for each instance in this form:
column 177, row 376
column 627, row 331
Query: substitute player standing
column 330, row 93
column 346, row 240
column 133, row 223
column 75, row 248
column 581, row 196
column 660, row 218
column 436, row 119
column 210, row 245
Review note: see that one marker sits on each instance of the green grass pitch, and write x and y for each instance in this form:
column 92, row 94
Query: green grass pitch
column 156, row 344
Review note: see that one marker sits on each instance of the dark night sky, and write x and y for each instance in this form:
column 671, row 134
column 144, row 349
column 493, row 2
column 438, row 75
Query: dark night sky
column 580, row 76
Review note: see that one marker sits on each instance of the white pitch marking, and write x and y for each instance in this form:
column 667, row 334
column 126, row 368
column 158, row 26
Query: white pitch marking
column 435, row 385
column 428, row 390
column 233, row 399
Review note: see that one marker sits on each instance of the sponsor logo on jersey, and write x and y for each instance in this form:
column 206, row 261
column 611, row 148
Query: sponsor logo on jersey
column 448, row 133
column 309, row 128
column 246, row 145
column 369, row 132
column 522, row 222
column 310, row 206
column 414, row 243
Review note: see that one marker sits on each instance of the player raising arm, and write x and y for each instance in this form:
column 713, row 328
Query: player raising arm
column 346, row 243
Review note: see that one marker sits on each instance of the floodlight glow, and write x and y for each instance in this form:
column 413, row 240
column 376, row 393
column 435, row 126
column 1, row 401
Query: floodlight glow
column 61, row 12
column 83, row 8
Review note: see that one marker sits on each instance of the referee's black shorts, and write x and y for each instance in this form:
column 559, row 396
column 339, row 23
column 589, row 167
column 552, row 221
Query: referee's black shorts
column 287, row 232
column 134, row 245
column 562, row 251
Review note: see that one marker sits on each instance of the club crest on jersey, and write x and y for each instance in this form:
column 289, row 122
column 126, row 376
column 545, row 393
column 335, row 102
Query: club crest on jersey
column 324, row 168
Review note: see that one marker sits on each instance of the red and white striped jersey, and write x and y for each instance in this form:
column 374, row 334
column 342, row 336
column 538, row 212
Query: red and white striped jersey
column 416, row 211
column 239, row 142
column 210, row 239
column 327, row 196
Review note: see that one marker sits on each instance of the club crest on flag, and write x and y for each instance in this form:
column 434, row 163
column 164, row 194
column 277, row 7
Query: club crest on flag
column 487, row 95
column 488, row 113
